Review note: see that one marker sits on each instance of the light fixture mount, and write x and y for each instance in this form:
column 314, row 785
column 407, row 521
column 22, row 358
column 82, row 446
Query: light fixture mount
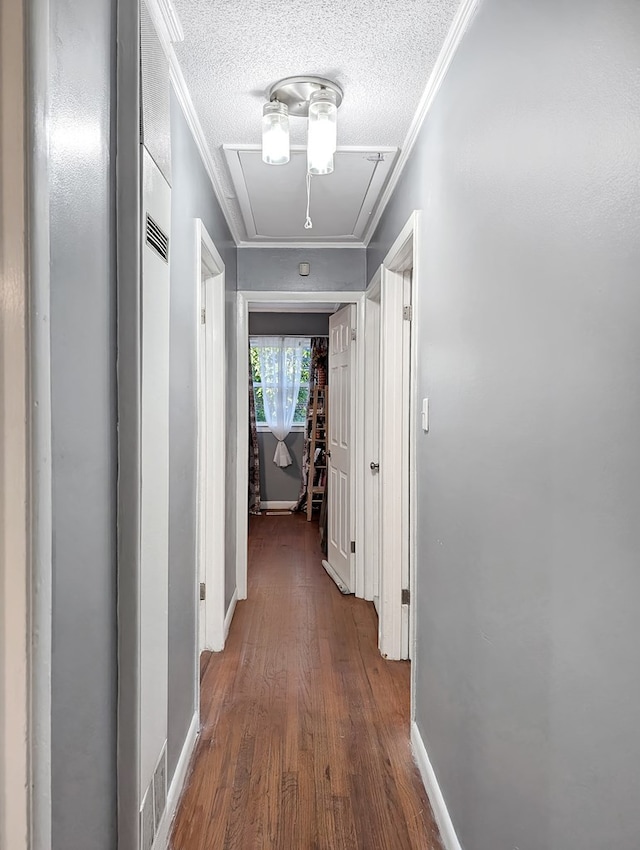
column 295, row 92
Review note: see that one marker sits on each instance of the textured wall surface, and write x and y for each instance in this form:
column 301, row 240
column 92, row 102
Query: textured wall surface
column 528, row 172
column 332, row 269
column 280, row 484
column 81, row 187
column 192, row 197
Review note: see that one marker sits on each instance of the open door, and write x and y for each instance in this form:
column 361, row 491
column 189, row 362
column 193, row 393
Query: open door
column 339, row 562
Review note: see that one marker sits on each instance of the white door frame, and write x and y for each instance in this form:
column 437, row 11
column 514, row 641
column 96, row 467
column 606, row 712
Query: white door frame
column 371, row 542
column 211, row 447
column 256, row 300
column 15, row 443
column 398, row 483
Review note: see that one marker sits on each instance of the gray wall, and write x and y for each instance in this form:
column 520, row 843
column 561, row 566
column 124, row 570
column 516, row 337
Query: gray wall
column 81, row 187
column 280, row 484
column 528, row 172
column 335, row 269
column 296, row 324
column 192, row 197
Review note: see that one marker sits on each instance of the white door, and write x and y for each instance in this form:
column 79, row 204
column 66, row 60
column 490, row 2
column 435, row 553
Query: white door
column 341, row 395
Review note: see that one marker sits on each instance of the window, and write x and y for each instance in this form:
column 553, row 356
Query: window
column 300, row 413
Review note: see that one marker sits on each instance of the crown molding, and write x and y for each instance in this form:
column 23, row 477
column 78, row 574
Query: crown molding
column 300, row 245
column 171, row 20
column 184, row 98
column 459, row 26
column 166, row 19
column 169, row 29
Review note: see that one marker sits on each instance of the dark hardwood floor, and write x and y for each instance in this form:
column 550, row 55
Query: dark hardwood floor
column 305, row 736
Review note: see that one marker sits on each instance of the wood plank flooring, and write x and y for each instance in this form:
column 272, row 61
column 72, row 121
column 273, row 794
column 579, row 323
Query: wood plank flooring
column 305, row 738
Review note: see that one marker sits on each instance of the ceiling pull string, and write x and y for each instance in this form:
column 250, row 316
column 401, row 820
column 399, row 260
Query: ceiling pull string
column 308, row 223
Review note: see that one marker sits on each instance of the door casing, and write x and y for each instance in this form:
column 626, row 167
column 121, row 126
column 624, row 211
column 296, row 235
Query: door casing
column 371, row 437
column 211, row 440
column 257, row 300
column 403, row 255
column 398, row 412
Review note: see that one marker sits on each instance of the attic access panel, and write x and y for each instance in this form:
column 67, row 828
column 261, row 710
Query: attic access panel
column 273, row 199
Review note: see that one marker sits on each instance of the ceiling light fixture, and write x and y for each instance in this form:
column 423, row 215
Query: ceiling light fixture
column 322, row 138
column 315, row 98
column 275, row 133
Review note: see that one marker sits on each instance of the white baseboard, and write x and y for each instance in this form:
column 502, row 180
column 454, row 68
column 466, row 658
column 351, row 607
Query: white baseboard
column 230, row 612
column 342, row 587
column 173, row 797
column 440, row 811
column 278, row 506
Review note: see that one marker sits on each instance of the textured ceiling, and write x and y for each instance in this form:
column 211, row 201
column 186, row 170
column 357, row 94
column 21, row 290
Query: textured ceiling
column 381, row 53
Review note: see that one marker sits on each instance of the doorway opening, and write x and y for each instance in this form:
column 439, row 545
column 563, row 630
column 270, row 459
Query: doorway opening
column 282, row 308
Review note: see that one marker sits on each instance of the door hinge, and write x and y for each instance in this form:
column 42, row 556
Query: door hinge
column 203, row 591
column 353, row 547
column 407, row 313
column 353, row 333
column 406, row 596
column 203, row 316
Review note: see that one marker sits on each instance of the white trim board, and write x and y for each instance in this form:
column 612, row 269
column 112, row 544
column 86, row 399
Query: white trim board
column 230, row 612
column 301, row 245
column 397, row 483
column 169, row 28
column 248, row 300
column 284, row 505
column 430, row 781
column 256, row 299
column 215, row 457
column 177, row 785
column 342, row 587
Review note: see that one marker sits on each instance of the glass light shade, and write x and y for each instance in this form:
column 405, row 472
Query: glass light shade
column 322, row 140
column 275, row 133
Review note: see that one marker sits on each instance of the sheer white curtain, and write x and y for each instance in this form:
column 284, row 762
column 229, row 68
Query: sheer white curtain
column 280, row 368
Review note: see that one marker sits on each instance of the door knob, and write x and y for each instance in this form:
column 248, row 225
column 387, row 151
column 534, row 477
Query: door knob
column 375, row 467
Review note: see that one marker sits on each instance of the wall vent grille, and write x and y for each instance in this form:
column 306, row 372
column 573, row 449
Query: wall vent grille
column 157, row 239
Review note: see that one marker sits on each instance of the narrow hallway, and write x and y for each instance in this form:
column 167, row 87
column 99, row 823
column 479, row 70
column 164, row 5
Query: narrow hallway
column 305, row 728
